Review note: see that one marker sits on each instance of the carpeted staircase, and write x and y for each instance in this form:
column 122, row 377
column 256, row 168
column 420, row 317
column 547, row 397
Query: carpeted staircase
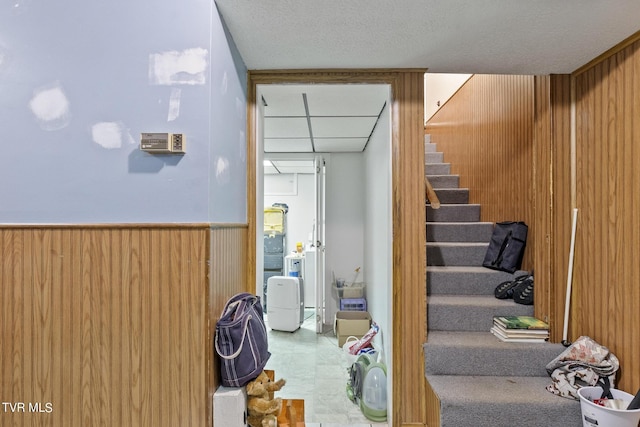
column 479, row 380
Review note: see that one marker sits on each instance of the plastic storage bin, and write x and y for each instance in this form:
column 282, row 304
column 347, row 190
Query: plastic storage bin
column 355, row 290
column 274, row 220
column 353, row 304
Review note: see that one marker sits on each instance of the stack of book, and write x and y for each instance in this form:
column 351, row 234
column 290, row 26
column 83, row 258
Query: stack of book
column 520, row 329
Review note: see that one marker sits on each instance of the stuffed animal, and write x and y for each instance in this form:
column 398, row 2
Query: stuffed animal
column 262, row 410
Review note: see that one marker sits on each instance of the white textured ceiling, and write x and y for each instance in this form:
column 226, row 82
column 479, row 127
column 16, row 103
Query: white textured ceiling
column 445, row 36
column 442, row 36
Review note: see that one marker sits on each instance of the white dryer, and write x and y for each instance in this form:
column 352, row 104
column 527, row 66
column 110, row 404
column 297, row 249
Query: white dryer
column 285, row 303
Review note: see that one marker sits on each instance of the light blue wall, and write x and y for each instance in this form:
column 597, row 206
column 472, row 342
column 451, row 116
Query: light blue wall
column 79, row 82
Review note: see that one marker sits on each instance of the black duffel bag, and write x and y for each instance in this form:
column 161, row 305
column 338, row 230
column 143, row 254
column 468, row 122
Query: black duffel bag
column 506, row 247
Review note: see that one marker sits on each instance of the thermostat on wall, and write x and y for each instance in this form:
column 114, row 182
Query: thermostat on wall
column 163, row 142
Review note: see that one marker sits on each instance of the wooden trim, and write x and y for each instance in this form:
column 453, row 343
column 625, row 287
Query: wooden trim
column 409, row 259
column 355, row 73
column 542, row 182
column 109, row 226
column 218, row 226
column 609, row 53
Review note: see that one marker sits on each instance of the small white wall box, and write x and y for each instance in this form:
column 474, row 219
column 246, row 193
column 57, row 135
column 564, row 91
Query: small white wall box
column 163, row 142
column 230, row 406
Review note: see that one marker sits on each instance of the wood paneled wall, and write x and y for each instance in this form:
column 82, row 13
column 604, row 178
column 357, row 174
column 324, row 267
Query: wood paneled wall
column 229, row 249
column 606, row 288
column 486, row 133
column 409, row 259
column 552, row 194
column 108, row 325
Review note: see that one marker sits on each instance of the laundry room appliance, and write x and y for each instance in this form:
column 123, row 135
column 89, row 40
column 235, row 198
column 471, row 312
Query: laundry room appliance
column 285, row 306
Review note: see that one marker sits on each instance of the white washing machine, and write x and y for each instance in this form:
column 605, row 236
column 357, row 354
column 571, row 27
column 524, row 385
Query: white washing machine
column 285, row 303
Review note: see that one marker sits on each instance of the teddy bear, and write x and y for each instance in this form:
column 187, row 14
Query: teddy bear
column 262, row 410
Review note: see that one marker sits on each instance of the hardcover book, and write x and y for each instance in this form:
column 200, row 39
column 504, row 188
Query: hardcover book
column 531, row 338
column 520, row 322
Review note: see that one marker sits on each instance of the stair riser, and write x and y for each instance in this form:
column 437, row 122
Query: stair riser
column 454, row 213
column 434, row 157
column 473, row 401
column 444, row 181
column 508, row 360
column 456, row 254
column 446, row 317
column 437, row 168
column 429, row 147
column 459, row 232
column 454, row 283
column 453, row 195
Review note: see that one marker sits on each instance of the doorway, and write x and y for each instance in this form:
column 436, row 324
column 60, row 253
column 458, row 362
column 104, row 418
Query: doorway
column 351, row 124
column 406, row 291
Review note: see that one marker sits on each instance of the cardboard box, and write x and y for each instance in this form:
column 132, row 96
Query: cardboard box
column 351, row 323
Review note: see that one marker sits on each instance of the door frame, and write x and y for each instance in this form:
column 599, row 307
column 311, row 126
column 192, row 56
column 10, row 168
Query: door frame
column 409, row 317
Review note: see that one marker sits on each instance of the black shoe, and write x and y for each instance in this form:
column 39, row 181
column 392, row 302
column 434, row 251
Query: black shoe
column 523, row 293
column 505, row 289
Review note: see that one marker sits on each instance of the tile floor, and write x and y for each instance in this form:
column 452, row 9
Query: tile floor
column 315, row 370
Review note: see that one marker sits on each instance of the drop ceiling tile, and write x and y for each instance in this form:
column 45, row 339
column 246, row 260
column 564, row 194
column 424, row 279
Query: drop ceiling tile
column 288, row 145
column 296, row 169
column 329, row 127
column 282, row 100
column 286, row 127
column 270, row 170
column 294, row 163
column 346, row 100
column 325, row 145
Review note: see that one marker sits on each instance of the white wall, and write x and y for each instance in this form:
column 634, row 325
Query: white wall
column 301, row 204
column 75, row 99
column 378, row 231
column 344, row 224
column 438, row 88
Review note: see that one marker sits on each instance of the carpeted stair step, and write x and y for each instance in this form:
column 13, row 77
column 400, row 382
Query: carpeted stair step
column 474, row 401
column 454, row 213
column 465, row 280
column 456, row 253
column 452, row 195
column 459, row 231
column 481, row 353
column 437, row 168
column 469, row 313
column 444, row 181
column 429, row 147
column 435, row 157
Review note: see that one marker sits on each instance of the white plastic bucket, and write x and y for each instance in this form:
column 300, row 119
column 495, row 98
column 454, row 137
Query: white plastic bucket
column 599, row 416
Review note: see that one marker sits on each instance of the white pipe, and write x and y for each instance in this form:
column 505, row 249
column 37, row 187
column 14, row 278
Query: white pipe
column 569, row 277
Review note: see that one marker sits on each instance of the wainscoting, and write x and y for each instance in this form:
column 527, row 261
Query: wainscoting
column 109, row 324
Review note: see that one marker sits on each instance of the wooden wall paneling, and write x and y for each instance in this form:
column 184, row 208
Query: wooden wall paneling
column 486, row 133
column 561, row 199
column 542, row 199
column 107, row 323
column 409, row 237
column 408, row 222
column 432, row 407
column 607, row 183
column 229, row 275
